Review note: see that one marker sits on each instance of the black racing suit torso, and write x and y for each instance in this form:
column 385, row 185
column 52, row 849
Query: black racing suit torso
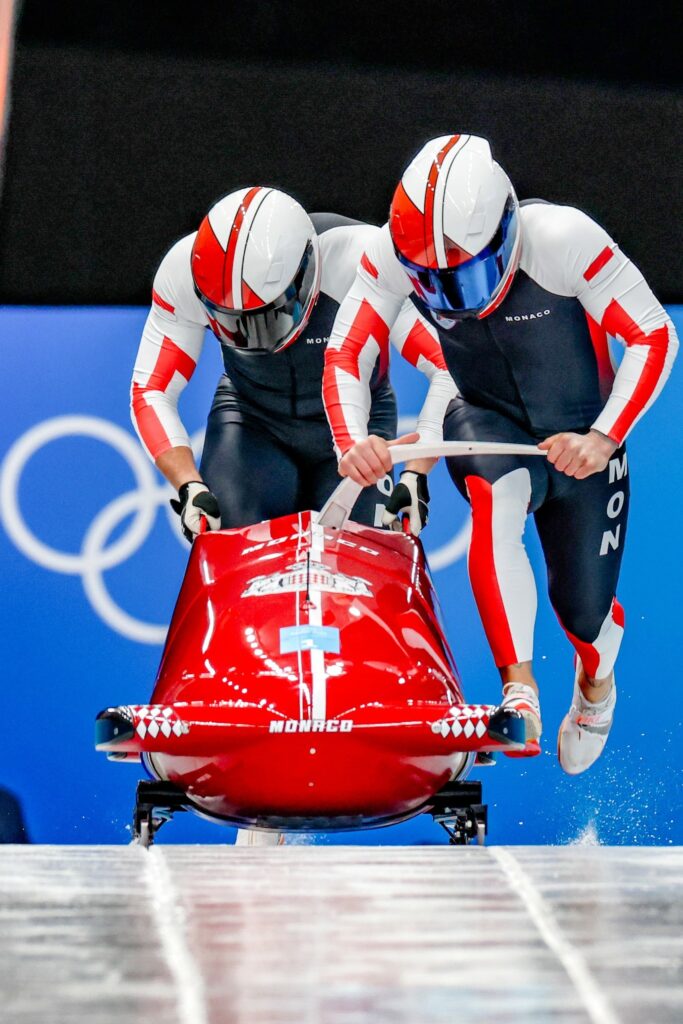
column 532, row 360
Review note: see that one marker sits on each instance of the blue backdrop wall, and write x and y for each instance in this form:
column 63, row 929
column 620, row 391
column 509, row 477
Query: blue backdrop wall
column 92, row 560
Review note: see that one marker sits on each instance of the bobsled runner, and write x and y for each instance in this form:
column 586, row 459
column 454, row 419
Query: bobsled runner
column 306, row 684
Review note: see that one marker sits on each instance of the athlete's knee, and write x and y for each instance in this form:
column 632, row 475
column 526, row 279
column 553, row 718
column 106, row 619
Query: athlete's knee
column 581, row 607
column 580, row 620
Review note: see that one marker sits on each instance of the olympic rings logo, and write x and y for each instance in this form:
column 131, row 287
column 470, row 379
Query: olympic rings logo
column 97, row 555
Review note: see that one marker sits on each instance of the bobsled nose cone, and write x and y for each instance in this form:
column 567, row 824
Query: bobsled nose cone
column 113, row 726
column 507, row 726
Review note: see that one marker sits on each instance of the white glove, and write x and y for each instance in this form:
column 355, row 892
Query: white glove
column 409, row 497
column 194, row 503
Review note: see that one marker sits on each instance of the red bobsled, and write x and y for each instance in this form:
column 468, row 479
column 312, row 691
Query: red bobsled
column 306, row 683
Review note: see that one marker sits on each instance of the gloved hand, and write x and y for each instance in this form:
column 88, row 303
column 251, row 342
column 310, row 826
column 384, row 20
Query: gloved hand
column 410, row 496
column 194, row 503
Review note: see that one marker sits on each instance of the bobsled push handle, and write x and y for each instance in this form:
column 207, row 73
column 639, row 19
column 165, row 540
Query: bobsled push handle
column 338, row 506
column 408, row 452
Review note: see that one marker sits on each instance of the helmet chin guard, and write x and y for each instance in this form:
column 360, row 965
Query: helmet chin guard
column 256, row 269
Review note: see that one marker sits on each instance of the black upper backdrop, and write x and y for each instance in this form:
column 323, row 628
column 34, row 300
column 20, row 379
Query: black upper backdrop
column 597, row 39
column 128, row 120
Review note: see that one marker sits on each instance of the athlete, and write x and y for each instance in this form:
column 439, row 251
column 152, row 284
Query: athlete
column 267, row 280
column 523, row 297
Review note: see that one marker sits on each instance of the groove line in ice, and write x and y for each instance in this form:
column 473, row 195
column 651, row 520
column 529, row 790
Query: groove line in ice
column 171, row 924
column 592, row 996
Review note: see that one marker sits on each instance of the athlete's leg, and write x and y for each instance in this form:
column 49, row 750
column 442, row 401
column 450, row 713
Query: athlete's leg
column 582, row 528
column 501, row 491
column 253, row 477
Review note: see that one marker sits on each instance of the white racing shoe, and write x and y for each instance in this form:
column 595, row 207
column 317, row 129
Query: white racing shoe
column 518, row 717
column 584, row 730
column 523, row 698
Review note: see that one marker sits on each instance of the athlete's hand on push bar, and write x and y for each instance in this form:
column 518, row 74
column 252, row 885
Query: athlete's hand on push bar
column 198, row 509
column 369, row 460
column 579, row 455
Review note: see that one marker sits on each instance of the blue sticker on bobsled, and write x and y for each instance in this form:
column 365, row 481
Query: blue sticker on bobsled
column 309, row 638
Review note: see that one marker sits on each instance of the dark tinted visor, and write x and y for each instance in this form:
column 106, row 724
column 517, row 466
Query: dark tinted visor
column 269, row 328
column 470, row 286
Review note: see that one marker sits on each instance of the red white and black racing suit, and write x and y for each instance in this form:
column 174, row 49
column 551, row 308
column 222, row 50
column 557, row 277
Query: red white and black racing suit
column 538, row 364
column 268, row 450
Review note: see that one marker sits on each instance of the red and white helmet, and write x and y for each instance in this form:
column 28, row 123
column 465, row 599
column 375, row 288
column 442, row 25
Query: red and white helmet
column 256, row 269
column 454, row 222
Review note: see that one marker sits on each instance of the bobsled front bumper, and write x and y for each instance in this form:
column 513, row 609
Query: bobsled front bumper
column 205, row 729
column 244, row 763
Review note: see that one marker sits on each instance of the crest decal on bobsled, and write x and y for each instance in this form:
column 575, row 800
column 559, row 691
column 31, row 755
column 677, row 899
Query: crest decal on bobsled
column 304, row 575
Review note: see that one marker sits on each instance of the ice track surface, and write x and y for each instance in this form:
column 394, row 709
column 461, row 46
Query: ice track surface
column 340, row 935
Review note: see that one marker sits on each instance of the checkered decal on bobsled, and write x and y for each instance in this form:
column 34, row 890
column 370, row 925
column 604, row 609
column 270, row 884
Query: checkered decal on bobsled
column 468, row 720
column 155, row 719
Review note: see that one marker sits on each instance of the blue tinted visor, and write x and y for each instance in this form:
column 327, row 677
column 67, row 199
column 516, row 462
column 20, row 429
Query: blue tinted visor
column 468, row 288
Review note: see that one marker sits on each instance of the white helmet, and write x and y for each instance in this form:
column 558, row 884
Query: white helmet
column 454, row 222
column 256, row 269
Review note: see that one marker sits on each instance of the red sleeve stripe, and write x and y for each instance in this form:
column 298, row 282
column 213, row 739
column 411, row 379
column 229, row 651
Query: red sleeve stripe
column 367, row 323
column 335, row 410
column 149, row 425
column 171, row 360
column 598, row 263
column 617, row 322
column 162, row 302
column 421, row 343
column 598, row 336
column 370, row 267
